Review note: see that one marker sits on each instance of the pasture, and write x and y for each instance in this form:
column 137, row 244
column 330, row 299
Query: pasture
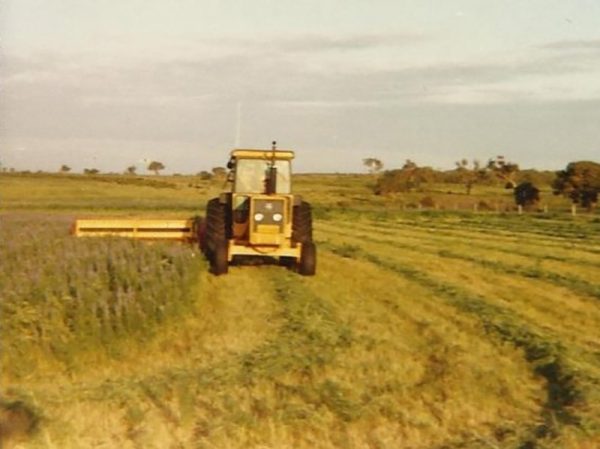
column 422, row 329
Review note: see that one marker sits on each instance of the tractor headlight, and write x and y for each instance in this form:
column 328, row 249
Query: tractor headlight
column 258, row 217
column 277, row 217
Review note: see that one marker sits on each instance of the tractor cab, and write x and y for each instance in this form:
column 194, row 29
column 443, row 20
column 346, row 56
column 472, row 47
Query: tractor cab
column 261, row 172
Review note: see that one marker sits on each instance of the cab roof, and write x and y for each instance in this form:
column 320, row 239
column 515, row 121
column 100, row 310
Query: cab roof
column 262, row 154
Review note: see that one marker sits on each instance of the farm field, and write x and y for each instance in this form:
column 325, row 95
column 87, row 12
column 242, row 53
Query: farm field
column 422, row 329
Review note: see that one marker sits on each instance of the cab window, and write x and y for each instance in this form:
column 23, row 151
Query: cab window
column 251, row 176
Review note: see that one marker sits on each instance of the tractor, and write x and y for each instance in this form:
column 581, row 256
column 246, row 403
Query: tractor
column 260, row 216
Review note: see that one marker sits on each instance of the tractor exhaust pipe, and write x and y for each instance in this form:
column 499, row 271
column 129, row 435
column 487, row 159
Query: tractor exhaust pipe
column 271, row 184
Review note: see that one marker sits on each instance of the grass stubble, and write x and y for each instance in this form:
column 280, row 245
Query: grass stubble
column 565, row 356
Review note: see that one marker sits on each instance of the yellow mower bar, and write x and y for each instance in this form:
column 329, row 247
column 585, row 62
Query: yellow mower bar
column 136, row 228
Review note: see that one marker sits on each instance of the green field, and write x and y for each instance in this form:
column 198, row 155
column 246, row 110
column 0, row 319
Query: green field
column 435, row 328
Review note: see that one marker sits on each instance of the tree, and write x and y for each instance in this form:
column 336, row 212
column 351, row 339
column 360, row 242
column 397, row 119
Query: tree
column 91, row 171
column 219, row 172
column 526, row 194
column 131, row 170
column 156, row 166
column 506, row 171
column 65, row 168
column 580, row 181
column 205, row 176
column 409, row 177
column 409, row 165
column 373, row 165
column 469, row 176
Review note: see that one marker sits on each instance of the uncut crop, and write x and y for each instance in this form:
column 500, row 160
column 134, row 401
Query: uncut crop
column 63, row 297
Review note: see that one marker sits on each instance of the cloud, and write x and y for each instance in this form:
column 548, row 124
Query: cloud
column 307, row 70
column 580, row 44
column 17, row 67
column 184, row 97
column 321, row 43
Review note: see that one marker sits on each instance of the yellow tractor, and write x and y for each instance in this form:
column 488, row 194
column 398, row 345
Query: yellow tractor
column 260, row 216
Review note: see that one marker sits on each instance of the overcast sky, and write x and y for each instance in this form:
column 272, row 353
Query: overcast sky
column 110, row 83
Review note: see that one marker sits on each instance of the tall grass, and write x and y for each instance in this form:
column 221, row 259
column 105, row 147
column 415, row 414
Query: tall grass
column 64, row 297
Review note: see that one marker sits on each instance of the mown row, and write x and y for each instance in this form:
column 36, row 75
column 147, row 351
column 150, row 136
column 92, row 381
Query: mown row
column 539, row 294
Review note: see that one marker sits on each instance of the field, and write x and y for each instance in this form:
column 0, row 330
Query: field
column 422, row 329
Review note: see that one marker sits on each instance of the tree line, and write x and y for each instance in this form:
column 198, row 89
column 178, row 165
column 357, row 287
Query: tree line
column 154, row 166
column 579, row 181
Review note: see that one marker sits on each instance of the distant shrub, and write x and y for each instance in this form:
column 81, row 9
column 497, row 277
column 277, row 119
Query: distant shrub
column 580, row 181
column 484, row 206
column 136, row 181
column 539, row 178
column 219, row 172
column 205, row 176
column 526, row 194
column 428, row 201
column 156, row 167
column 406, row 179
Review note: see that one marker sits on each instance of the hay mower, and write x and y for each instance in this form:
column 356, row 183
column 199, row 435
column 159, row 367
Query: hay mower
column 258, row 216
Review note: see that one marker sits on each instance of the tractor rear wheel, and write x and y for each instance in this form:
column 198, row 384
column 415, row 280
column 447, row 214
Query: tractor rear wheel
column 302, row 223
column 215, row 238
column 219, row 263
column 199, row 229
column 302, row 233
column 308, row 259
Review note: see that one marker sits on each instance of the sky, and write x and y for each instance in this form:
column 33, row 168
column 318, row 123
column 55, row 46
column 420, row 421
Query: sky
column 108, row 84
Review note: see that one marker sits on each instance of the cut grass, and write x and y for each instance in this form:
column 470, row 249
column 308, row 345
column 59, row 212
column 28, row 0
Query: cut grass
column 514, row 245
column 485, row 257
column 546, row 357
column 423, row 366
column 563, row 366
